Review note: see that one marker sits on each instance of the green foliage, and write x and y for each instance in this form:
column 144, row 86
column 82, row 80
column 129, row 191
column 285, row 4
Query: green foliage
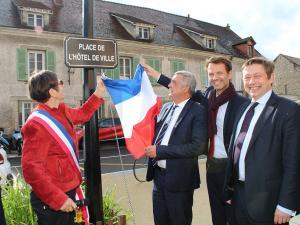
column 17, row 207
column 112, row 208
column 16, row 203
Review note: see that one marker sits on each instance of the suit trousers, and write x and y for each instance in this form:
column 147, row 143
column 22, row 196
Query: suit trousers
column 222, row 213
column 170, row 208
column 47, row 216
column 241, row 212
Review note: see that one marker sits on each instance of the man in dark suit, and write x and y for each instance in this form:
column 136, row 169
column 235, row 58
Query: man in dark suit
column 222, row 103
column 180, row 137
column 263, row 173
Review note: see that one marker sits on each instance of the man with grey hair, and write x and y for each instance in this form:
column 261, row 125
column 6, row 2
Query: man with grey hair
column 180, row 137
column 189, row 80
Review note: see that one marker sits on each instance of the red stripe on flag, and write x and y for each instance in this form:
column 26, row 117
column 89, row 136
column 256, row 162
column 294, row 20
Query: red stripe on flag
column 143, row 132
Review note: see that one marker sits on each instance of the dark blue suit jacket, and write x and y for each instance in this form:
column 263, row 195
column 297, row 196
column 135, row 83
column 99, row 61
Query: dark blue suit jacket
column 272, row 163
column 186, row 143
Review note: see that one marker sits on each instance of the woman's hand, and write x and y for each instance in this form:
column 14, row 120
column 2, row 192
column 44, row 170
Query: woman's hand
column 100, row 89
column 68, row 206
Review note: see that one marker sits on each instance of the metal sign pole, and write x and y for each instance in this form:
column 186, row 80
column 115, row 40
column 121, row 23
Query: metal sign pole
column 92, row 161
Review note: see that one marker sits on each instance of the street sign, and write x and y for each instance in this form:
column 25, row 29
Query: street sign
column 90, row 53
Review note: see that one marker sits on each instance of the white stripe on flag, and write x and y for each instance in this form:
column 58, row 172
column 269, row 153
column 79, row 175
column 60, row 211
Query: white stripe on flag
column 133, row 110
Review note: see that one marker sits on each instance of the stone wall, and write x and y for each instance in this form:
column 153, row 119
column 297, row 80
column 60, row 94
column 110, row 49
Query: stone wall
column 287, row 77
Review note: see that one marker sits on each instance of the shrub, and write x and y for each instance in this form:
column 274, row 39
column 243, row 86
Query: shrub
column 18, row 211
column 16, row 204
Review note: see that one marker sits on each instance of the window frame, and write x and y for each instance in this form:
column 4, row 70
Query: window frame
column 210, row 43
column 123, row 68
column 35, row 52
column 203, row 75
column 142, row 31
column 23, row 118
column 35, row 15
column 250, row 50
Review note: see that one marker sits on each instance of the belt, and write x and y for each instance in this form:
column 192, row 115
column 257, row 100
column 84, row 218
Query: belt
column 240, row 182
column 161, row 169
column 218, row 160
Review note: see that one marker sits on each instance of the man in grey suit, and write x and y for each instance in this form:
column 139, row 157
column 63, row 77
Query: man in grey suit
column 263, row 173
column 180, row 137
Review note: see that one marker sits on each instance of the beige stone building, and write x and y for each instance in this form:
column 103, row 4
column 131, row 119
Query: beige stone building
column 287, row 75
column 32, row 35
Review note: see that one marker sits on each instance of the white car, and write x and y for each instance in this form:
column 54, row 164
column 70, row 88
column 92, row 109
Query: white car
column 6, row 175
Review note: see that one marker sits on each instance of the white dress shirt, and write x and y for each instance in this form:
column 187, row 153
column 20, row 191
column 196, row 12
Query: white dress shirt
column 166, row 138
column 220, row 151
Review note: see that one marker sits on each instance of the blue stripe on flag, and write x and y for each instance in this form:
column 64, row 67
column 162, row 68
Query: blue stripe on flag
column 61, row 127
column 122, row 90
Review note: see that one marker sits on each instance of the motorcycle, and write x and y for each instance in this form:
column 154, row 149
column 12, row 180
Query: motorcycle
column 17, row 141
column 6, row 175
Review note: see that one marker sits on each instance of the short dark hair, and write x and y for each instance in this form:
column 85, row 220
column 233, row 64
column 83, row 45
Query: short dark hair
column 267, row 64
column 219, row 60
column 40, row 83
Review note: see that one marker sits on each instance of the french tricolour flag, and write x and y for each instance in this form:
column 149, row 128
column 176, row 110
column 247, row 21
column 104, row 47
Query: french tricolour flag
column 137, row 105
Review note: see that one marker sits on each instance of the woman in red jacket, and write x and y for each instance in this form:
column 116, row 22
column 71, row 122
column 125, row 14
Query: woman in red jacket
column 49, row 143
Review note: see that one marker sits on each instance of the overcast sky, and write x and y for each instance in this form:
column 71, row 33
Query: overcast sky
column 274, row 24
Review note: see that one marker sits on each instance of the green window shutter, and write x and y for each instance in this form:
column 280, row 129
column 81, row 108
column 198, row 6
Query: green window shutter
column 116, row 73
column 113, row 73
column 181, row 66
column 155, row 63
column 176, row 66
column 50, row 60
column 22, row 64
column 108, row 73
column 135, row 62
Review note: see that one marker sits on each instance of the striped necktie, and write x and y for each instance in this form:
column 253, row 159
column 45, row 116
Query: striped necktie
column 165, row 126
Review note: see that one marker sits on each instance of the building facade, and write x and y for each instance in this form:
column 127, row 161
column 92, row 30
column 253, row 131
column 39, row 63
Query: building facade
column 287, row 75
column 32, row 35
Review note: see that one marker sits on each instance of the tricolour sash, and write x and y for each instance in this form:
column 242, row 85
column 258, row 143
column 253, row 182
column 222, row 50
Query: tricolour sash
column 60, row 134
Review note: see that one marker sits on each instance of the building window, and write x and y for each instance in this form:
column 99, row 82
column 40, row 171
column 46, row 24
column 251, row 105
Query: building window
column 125, row 68
column 35, row 20
column 238, row 81
column 25, row 108
column 250, row 50
column 203, row 75
column 210, row 43
column 36, row 61
column 144, row 33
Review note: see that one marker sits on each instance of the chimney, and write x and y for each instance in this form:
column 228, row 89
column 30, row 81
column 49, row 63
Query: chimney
column 228, row 26
column 188, row 18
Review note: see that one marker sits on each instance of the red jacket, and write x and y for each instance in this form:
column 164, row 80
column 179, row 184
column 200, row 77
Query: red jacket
column 46, row 167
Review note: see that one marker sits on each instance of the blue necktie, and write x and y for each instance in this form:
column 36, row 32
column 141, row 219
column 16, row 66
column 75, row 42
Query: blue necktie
column 241, row 137
column 165, row 126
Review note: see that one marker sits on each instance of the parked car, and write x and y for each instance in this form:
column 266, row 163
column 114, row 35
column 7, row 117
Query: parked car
column 109, row 129
column 6, row 175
